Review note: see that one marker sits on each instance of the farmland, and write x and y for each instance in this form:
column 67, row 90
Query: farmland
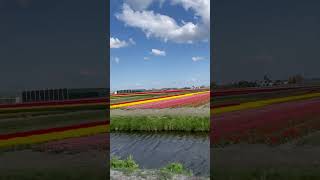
column 174, row 112
column 266, row 134
column 154, row 121
column 46, row 131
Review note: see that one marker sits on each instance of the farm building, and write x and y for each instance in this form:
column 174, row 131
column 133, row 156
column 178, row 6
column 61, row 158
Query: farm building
column 62, row 94
column 130, row 91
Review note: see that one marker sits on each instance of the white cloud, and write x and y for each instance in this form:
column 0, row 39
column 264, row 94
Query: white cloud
column 165, row 27
column 117, row 43
column 142, row 4
column 139, row 4
column 197, row 58
column 158, row 52
column 200, row 7
column 146, row 58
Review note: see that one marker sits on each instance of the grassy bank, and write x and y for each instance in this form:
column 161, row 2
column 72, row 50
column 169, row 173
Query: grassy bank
column 128, row 168
column 180, row 119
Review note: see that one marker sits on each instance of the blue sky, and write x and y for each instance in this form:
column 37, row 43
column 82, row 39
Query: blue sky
column 159, row 43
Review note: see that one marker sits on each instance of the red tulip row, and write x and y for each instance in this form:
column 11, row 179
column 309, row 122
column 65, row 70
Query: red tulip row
column 272, row 124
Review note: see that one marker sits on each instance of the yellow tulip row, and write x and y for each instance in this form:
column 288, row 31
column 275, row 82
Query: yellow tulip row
column 41, row 138
column 262, row 103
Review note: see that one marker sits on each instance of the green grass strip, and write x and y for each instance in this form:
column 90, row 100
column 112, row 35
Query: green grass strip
column 128, row 165
column 160, row 123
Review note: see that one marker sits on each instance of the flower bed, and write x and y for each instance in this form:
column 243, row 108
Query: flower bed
column 171, row 103
column 145, row 101
column 273, row 124
column 44, row 135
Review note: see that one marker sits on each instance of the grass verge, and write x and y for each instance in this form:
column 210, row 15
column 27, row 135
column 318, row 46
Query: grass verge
column 127, row 164
column 129, row 167
column 160, row 123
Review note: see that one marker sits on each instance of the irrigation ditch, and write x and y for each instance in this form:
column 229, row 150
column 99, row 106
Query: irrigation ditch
column 156, row 138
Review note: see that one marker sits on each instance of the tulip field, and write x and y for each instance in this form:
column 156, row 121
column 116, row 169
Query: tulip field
column 162, row 112
column 270, row 133
column 57, row 137
column 151, row 126
column 161, row 100
column 272, row 120
column 34, row 123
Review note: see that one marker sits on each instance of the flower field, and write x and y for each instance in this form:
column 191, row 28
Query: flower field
column 40, row 122
column 162, row 113
column 194, row 100
column 269, row 121
column 57, row 137
column 98, row 141
column 97, row 103
column 167, row 101
column 45, row 135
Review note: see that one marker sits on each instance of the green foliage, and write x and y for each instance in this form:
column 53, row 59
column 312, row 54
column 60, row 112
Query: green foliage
column 176, row 168
column 160, row 123
column 126, row 164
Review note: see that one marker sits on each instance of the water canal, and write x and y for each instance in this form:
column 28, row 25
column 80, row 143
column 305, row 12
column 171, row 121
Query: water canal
column 155, row 150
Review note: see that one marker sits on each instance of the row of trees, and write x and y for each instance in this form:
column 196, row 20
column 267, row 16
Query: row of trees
column 295, row 79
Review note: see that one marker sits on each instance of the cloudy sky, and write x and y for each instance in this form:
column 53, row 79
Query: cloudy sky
column 52, row 44
column 253, row 38
column 159, row 43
